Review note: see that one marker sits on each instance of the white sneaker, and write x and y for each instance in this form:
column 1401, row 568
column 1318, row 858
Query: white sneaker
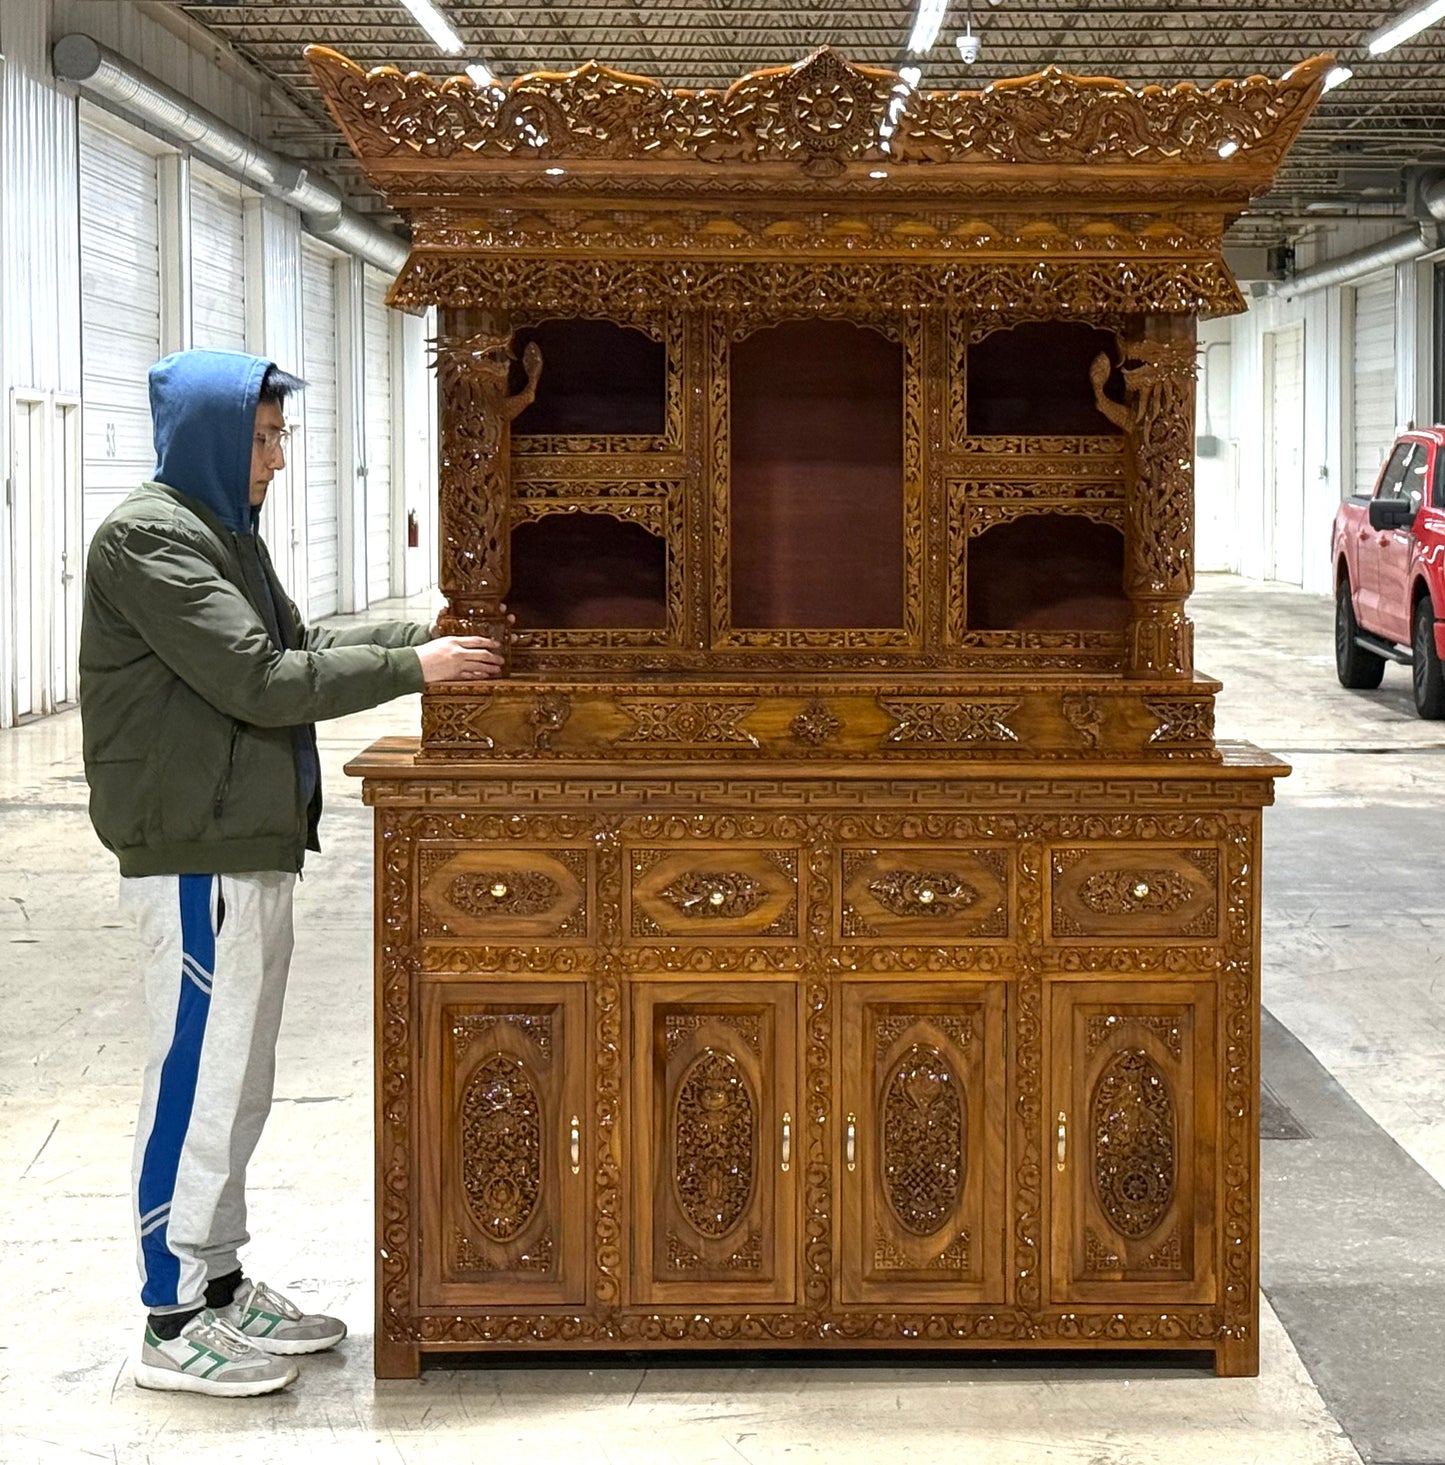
column 209, row 1357
column 274, row 1324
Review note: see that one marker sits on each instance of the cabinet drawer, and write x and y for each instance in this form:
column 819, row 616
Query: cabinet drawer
column 707, row 894
column 930, row 894
column 507, row 894
column 1134, row 891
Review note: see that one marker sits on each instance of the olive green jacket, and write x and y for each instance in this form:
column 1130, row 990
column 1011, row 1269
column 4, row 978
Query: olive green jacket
column 188, row 704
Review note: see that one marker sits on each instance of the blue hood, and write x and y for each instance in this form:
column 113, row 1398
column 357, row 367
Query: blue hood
column 203, row 405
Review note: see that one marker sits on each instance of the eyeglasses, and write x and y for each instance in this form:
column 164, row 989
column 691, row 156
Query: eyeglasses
column 273, row 438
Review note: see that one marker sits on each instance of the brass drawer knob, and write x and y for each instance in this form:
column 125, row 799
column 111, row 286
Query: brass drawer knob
column 1141, row 889
column 499, row 889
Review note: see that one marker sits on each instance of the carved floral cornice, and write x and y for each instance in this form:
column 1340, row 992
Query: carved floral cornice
column 820, row 116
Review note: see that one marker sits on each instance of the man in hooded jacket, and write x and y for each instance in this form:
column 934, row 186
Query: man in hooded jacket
column 199, row 690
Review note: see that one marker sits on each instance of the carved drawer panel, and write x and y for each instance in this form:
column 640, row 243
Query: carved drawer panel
column 929, row 894
column 707, row 894
column 1133, row 891
column 503, row 894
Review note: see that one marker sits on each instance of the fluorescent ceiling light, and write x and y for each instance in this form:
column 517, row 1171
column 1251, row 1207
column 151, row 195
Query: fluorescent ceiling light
column 1407, row 26
column 482, row 75
column 1338, row 77
column 929, row 22
column 435, row 24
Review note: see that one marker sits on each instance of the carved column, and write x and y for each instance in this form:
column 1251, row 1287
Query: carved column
column 1159, row 372
column 473, row 359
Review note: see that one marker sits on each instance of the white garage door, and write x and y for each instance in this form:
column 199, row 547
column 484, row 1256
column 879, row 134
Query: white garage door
column 321, row 310
column 1373, row 380
column 218, row 262
column 1284, row 365
column 377, row 357
column 120, row 316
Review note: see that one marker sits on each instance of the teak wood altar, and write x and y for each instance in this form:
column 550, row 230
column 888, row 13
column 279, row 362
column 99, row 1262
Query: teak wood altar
column 841, row 927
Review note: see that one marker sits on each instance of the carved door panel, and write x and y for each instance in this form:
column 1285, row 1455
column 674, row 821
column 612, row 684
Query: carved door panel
column 1133, row 1142
column 921, row 1118
column 716, row 1143
column 502, row 1153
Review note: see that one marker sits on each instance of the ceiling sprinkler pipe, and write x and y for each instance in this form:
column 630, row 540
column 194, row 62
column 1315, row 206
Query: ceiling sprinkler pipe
column 99, row 71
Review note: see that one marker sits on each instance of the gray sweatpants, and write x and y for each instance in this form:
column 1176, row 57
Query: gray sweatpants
column 215, row 952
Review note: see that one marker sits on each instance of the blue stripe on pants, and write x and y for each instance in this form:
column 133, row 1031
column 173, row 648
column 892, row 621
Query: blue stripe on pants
column 176, row 1095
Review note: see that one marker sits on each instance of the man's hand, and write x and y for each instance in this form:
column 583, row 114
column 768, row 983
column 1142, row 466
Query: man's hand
column 459, row 659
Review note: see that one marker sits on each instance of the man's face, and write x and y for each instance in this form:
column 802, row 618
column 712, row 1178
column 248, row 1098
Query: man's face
column 268, row 452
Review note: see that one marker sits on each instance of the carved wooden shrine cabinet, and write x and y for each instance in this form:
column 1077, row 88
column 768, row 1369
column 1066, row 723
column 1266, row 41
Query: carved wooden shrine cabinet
column 841, row 927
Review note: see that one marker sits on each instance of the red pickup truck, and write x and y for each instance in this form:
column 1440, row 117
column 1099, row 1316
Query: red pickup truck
column 1388, row 550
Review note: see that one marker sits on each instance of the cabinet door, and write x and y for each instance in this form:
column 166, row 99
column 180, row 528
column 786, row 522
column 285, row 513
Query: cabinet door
column 502, row 1161
column 716, row 1143
column 1133, row 1142
column 923, row 1195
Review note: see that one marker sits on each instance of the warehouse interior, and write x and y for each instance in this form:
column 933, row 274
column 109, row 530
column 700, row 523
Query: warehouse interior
column 169, row 178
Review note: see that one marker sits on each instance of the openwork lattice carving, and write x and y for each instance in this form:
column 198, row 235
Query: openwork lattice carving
column 501, row 1144
column 821, row 113
column 1134, row 1168
column 923, row 1143
column 714, row 1143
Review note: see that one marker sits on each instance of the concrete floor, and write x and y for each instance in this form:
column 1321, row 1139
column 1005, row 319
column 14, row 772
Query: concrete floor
column 1354, row 939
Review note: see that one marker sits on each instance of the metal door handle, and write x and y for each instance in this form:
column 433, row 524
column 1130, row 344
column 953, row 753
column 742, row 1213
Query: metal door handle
column 850, row 1149
column 787, row 1140
column 1061, row 1147
column 576, row 1146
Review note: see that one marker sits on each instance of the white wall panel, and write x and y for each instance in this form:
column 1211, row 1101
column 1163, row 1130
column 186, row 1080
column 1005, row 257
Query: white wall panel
column 120, row 314
column 322, row 418
column 1373, row 377
column 379, row 411
column 218, row 262
column 1284, row 360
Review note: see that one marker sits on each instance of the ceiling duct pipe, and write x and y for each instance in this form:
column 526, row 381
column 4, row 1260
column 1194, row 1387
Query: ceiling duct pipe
column 99, row 71
column 1398, row 249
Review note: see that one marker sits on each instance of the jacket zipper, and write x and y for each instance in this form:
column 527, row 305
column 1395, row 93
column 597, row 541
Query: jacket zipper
column 225, row 787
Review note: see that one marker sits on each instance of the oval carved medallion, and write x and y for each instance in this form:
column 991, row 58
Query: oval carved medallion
column 923, row 1141
column 501, row 1141
column 1134, row 1170
column 714, row 1143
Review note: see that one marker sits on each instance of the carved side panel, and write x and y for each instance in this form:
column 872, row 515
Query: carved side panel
column 502, row 1095
column 718, row 1139
column 919, row 1143
column 1134, row 1142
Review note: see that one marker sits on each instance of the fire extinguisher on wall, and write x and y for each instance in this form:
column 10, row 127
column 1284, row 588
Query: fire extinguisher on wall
column 413, row 530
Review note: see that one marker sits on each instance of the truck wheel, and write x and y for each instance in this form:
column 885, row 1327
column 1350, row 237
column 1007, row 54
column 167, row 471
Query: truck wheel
column 1425, row 667
column 1354, row 666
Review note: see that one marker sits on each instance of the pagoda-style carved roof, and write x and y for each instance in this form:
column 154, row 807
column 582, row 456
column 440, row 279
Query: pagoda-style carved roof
column 823, row 116
column 816, row 185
